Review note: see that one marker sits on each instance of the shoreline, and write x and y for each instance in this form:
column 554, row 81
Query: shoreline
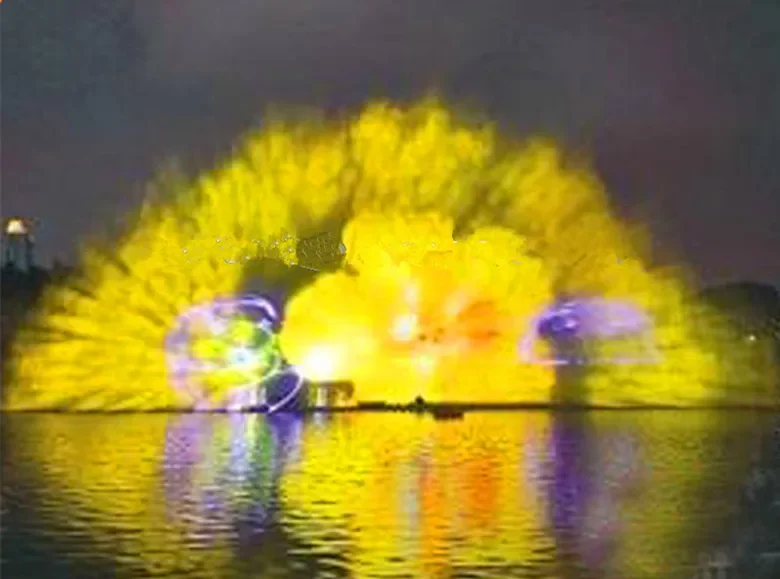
column 426, row 409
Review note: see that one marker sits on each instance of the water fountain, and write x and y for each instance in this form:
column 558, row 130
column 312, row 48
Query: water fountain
column 451, row 239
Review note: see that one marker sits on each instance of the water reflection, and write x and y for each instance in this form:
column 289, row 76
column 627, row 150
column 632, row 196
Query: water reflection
column 585, row 477
column 362, row 495
column 223, row 470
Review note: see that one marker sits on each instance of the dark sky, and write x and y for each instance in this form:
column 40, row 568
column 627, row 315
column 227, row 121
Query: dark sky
column 678, row 101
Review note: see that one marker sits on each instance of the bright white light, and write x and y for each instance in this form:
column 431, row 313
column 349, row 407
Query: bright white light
column 404, row 327
column 16, row 227
column 752, row 338
column 320, row 364
column 425, row 363
column 241, row 357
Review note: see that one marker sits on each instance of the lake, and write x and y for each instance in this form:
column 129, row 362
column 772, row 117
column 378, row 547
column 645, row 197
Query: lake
column 623, row 494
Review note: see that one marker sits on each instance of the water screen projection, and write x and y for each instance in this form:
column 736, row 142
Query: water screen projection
column 591, row 331
column 451, row 237
column 225, row 354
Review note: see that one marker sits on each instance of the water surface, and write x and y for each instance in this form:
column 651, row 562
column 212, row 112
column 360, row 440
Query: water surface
column 496, row 495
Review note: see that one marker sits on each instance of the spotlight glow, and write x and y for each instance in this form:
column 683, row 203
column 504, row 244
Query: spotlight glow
column 16, row 227
column 405, row 327
column 320, row 364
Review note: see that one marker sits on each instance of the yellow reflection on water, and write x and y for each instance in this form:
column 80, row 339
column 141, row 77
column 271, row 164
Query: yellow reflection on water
column 101, row 476
column 380, row 495
column 418, row 496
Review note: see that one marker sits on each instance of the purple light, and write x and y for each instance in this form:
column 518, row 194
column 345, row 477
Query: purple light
column 290, row 396
column 213, row 473
column 583, row 498
column 570, row 325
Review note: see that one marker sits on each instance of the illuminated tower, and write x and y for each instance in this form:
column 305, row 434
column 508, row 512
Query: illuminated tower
column 18, row 243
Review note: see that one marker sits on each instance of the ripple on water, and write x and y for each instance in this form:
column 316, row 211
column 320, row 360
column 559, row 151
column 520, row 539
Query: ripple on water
column 495, row 495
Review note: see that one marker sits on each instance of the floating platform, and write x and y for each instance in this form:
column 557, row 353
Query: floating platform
column 447, row 414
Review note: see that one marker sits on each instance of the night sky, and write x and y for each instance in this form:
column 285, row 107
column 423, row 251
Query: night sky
column 678, row 101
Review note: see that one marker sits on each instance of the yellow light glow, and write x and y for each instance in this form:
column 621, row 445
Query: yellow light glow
column 425, row 363
column 16, row 227
column 401, row 186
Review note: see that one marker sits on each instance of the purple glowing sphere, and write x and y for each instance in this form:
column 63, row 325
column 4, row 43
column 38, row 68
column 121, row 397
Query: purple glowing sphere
column 593, row 317
column 569, row 325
